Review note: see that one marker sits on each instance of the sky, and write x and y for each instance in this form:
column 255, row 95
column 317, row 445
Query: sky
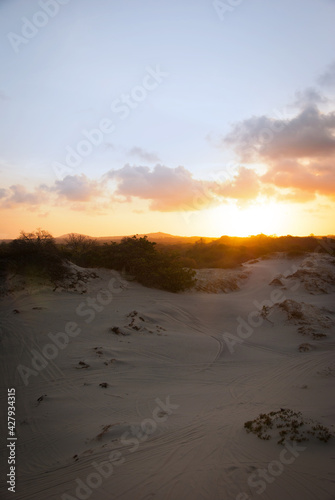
column 190, row 117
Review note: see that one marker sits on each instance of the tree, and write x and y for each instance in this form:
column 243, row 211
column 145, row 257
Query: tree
column 79, row 248
column 136, row 253
column 36, row 253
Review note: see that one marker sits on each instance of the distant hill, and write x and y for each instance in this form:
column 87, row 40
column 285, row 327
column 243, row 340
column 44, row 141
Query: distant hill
column 158, row 237
column 170, row 239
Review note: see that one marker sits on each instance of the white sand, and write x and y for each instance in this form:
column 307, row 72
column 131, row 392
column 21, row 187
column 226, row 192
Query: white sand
column 179, row 348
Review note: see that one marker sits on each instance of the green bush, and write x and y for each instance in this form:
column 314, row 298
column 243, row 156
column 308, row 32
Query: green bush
column 135, row 256
column 152, row 268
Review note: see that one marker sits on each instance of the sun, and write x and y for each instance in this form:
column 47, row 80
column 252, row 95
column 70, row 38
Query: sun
column 260, row 217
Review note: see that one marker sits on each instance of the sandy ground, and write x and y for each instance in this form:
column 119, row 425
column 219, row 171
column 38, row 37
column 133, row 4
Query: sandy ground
column 125, row 392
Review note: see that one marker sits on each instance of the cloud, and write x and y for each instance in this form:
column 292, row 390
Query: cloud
column 309, row 97
column 175, row 189
column 310, row 133
column 311, row 179
column 295, row 196
column 92, row 208
column 144, row 155
column 299, row 152
column 245, row 186
column 77, row 188
column 168, row 189
column 17, row 195
column 327, row 79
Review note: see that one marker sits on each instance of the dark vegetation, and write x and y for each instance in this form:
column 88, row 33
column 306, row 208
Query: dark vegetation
column 136, row 257
column 228, row 252
column 287, row 425
column 37, row 254
column 32, row 255
column 165, row 266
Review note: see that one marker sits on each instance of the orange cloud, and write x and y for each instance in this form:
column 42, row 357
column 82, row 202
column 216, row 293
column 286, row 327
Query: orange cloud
column 168, row 189
column 299, row 152
column 244, row 186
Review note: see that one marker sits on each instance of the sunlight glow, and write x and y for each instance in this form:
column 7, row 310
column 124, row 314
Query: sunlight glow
column 262, row 217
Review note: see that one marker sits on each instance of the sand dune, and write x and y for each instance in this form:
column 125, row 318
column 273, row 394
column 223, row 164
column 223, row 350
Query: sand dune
column 219, row 280
column 131, row 393
column 316, row 274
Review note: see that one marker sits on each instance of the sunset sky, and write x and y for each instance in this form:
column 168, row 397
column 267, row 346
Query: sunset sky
column 190, row 117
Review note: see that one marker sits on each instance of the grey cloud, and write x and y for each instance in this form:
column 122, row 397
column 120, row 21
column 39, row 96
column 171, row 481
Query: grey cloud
column 18, row 195
column 327, row 79
column 310, row 133
column 77, row 188
column 309, row 97
column 144, row 155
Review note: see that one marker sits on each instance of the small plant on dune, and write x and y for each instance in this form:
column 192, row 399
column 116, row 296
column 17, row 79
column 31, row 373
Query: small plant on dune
column 265, row 312
column 105, row 428
column 305, row 347
column 319, row 335
column 291, row 424
column 292, row 309
column 248, row 425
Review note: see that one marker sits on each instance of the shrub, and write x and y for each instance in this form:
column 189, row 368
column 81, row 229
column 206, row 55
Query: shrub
column 294, row 427
column 137, row 257
column 152, row 268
